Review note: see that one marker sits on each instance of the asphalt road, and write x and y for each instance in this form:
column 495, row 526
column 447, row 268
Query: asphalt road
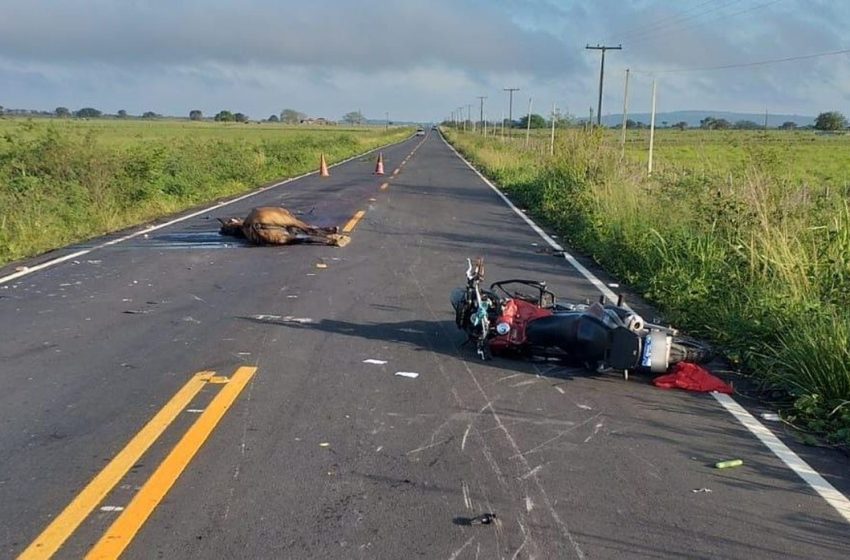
column 322, row 455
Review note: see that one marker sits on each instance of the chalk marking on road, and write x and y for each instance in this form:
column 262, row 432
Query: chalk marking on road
column 466, row 500
column 147, row 229
column 384, row 186
column 560, row 390
column 465, row 435
column 529, row 504
column 124, row 529
column 374, row 361
column 408, row 374
column 352, row 223
column 835, row 498
column 52, row 538
column 457, row 552
column 531, row 473
column 826, row 490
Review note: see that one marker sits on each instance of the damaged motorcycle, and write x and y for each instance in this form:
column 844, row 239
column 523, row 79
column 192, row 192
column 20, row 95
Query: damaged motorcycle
column 524, row 318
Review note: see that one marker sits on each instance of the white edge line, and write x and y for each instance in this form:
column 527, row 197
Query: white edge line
column 827, row 491
column 148, row 229
column 600, row 285
column 820, row 485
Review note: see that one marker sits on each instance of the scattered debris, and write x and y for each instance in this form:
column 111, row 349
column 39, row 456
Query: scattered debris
column 483, row 519
column 324, row 444
column 613, row 285
column 195, row 410
column 410, row 374
column 21, row 268
column 729, row 464
column 190, row 319
column 321, row 265
column 771, row 416
column 701, row 490
column 292, row 297
column 112, row 508
column 374, row 361
column 98, row 261
column 137, row 311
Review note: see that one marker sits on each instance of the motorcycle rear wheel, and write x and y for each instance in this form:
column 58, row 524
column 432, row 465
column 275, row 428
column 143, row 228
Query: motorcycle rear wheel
column 685, row 349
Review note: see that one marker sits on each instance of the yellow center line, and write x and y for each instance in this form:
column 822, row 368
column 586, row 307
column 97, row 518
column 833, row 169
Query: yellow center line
column 51, row 539
column 384, row 186
column 121, row 533
column 352, row 223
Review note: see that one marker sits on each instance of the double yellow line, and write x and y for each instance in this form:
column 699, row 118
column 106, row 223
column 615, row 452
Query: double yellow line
column 122, row 531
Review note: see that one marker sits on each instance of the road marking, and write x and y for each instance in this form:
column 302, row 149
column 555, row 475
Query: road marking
column 835, row 498
column 148, row 229
column 396, row 172
column 384, row 186
column 51, row 539
column 121, row 532
column 352, row 223
column 827, row 491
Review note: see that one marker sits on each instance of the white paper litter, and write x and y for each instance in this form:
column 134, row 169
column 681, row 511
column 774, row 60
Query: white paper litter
column 374, row 361
column 410, row 374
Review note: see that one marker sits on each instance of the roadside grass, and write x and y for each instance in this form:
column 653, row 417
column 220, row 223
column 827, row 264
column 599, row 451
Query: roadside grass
column 752, row 251
column 64, row 181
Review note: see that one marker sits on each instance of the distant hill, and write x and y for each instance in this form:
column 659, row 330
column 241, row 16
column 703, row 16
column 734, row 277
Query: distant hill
column 694, row 117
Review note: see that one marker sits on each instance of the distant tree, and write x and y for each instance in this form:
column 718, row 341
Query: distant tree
column 62, row 112
column 224, row 116
column 291, row 116
column 832, row 120
column 663, row 124
column 788, row 125
column 195, row 115
column 122, row 114
column 149, row 115
column 274, row 118
column 711, row 123
column 354, row 117
column 747, row 125
column 2, row 111
column 681, row 125
column 88, row 113
column 240, row 117
column 537, row 121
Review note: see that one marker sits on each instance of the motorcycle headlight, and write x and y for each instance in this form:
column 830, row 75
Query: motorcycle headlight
column 503, row 328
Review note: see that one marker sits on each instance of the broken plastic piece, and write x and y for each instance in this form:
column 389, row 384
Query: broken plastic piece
column 483, row 519
column 729, row 464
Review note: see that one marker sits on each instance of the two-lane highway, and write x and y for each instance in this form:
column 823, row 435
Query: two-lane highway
column 317, row 402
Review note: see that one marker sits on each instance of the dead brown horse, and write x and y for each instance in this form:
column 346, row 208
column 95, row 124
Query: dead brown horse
column 271, row 225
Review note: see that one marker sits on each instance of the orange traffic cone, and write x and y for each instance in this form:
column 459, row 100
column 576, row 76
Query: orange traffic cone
column 379, row 167
column 323, row 167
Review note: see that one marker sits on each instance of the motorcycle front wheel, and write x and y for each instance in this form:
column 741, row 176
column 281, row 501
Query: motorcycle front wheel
column 686, row 349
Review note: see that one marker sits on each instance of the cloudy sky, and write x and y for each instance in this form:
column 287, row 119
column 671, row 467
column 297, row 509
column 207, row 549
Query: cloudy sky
column 419, row 59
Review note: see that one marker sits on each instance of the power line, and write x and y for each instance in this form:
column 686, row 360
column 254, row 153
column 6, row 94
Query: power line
column 654, row 29
column 745, row 64
column 639, row 28
column 697, row 24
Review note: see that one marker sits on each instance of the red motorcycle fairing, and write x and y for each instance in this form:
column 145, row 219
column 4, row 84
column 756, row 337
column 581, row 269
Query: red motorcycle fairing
column 516, row 313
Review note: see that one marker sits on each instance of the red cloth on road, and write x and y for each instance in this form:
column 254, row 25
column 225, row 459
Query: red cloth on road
column 691, row 377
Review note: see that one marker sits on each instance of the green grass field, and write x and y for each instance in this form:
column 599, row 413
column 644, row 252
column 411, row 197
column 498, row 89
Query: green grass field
column 66, row 180
column 741, row 237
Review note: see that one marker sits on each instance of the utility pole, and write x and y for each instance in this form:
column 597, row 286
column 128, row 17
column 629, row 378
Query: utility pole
column 388, row 120
column 481, row 99
column 468, row 116
column 651, row 130
column 625, row 112
column 601, row 75
column 552, row 138
column 528, row 123
column 510, row 109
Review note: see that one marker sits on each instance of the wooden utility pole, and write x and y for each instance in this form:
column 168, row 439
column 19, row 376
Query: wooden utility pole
column 552, row 138
column 625, row 112
column 651, row 130
column 481, row 99
column 528, row 123
column 602, row 75
column 510, row 109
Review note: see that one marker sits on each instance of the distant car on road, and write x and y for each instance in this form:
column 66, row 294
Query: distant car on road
column 420, row 131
